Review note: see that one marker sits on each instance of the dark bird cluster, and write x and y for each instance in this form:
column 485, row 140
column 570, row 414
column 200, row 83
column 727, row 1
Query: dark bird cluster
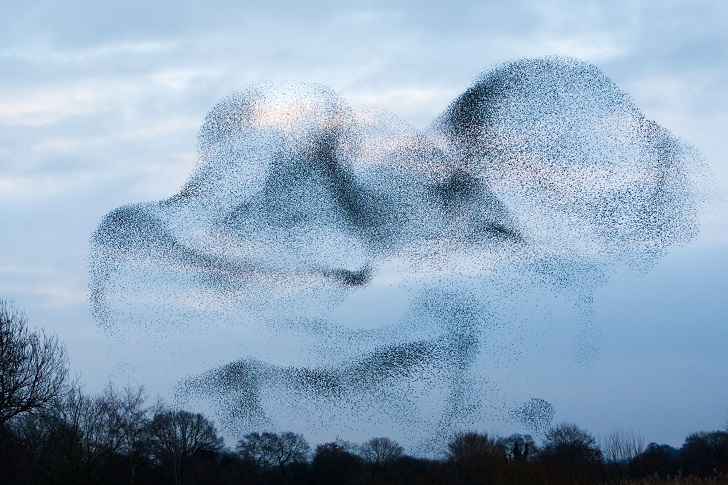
column 543, row 170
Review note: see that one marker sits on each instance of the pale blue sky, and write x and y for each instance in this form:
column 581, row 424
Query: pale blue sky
column 100, row 104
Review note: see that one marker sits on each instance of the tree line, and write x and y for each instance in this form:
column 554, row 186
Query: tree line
column 51, row 432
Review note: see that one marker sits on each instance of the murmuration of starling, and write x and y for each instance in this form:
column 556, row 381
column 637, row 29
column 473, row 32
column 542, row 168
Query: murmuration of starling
column 543, row 169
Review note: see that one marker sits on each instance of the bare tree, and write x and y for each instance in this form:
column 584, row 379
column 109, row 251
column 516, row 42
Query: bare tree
column 33, row 366
column 620, row 449
column 75, row 424
column 571, row 455
column 270, row 450
column 520, row 448
column 62, row 437
column 124, row 417
column 122, row 426
column 380, row 452
column 569, row 442
column 258, row 448
column 470, row 444
column 335, row 463
column 476, row 457
column 79, row 438
column 178, row 436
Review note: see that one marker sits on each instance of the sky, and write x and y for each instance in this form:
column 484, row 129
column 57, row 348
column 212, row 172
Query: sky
column 100, row 104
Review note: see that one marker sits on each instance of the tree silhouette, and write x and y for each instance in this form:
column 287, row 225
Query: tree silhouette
column 33, row 366
column 380, row 452
column 659, row 459
column 123, row 427
column 571, row 453
column 476, row 457
column 271, row 450
column 705, row 453
column 176, row 437
column 520, row 448
column 621, row 448
column 334, row 463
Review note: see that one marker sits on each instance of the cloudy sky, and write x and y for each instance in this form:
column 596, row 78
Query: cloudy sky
column 100, row 103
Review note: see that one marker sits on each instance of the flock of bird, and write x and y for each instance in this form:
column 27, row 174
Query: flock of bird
column 542, row 174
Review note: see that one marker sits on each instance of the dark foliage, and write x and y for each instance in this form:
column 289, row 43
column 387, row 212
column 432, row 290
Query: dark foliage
column 476, row 458
column 570, row 455
column 334, row 463
column 705, row 454
column 657, row 459
column 276, row 455
column 113, row 439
